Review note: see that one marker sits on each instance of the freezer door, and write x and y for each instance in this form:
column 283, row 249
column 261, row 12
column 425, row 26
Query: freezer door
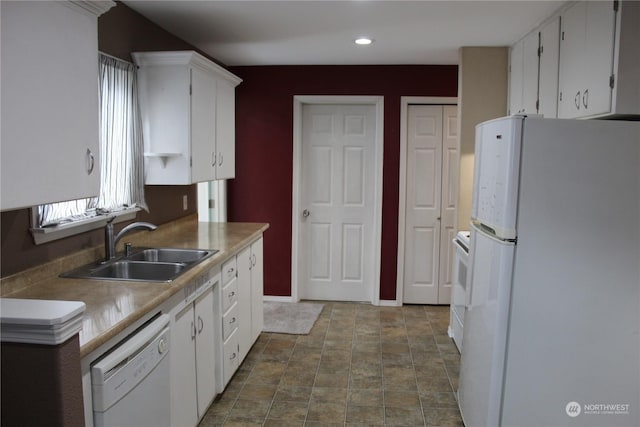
column 485, row 330
column 496, row 173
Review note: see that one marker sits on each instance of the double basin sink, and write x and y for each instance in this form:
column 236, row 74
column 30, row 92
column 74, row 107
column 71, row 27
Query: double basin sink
column 144, row 264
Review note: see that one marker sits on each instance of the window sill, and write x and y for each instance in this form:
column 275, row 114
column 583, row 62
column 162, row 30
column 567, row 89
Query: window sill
column 48, row 234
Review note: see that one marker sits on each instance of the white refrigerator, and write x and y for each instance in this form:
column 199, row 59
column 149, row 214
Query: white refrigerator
column 551, row 333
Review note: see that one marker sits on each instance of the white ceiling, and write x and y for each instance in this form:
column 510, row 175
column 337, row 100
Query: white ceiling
column 322, row 32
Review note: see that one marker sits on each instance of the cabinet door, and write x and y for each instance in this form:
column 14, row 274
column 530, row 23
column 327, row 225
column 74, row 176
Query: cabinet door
column 203, row 125
column 548, row 79
column 184, row 411
column 257, row 291
column 599, row 43
column 244, row 301
column 165, row 106
column 515, row 78
column 49, row 103
column 225, row 131
column 586, row 59
column 230, row 357
column 205, row 351
column 530, row 73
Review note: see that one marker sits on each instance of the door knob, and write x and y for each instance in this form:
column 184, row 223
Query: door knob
column 306, row 213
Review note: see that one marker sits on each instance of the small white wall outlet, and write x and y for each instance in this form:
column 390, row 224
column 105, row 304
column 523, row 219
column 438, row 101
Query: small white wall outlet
column 185, row 202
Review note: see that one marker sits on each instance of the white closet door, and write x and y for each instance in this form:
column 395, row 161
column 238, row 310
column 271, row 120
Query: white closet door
column 432, row 159
column 449, row 199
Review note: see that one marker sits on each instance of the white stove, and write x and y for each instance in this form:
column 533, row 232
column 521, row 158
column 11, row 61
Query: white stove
column 459, row 294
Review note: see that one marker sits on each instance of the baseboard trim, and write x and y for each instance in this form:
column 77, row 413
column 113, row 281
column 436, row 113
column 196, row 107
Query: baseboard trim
column 278, row 298
column 389, row 303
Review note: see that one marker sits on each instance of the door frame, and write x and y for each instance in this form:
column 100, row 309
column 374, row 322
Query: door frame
column 405, row 102
column 298, row 102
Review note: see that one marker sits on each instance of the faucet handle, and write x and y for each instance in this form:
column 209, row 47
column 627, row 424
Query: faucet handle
column 128, row 248
column 110, row 219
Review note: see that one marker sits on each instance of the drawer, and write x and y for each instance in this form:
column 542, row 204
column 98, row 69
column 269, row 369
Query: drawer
column 229, row 295
column 229, row 270
column 230, row 321
column 230, row 358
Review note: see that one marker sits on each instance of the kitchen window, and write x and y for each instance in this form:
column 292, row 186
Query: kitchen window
column 121, row 162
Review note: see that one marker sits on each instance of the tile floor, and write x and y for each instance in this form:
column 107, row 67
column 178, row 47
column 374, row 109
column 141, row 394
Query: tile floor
column 361, row 365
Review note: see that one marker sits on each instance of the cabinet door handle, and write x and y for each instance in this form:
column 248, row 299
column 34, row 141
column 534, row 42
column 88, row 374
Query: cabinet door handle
column 233, row 356
column 576, row 100
column 200, row 325
column 220, row 159
column 91, row 162
column 213, row 159
column 585, row 98
column 232, row 294
column 193, row 331
column 254, row 260
column 233, row 320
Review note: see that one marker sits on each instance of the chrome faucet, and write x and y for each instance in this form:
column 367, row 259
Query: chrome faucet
column 110, row 241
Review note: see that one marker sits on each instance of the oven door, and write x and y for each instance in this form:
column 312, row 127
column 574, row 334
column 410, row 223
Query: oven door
column 459, row 294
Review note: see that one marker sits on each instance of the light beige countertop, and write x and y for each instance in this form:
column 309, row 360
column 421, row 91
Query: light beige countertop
column 112, row 306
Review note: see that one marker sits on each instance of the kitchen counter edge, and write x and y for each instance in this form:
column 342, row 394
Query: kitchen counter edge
column 114, row 306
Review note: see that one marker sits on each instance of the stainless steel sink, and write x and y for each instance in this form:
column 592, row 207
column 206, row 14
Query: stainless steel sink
column 169, row 255
column 145, row 264
column 136, row 270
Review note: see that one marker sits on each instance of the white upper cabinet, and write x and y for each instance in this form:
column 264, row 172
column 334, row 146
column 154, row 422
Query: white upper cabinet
column 516, row 71
column 523, row 84
column 50, row 139
column 599, row 59
column 188, row 115
column 225, row 129
column 586, row 49
column 548, row 68
column 587, row 63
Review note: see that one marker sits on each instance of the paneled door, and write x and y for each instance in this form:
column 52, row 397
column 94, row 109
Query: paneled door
column 431, row 196
column 337, row 200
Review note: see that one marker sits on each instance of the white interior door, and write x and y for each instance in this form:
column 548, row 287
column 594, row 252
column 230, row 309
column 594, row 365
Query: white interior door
column 432, row 160
column 449, row 200
column 337, row 197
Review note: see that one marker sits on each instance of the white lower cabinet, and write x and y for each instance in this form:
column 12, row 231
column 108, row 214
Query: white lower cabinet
column 231, row 360
column 193, row 352
column 250, row 295
column 230, row 321
column 241, row 305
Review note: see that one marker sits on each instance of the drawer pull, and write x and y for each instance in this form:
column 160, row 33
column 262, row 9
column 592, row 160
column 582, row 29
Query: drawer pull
column 233, row 356
column 232, row 294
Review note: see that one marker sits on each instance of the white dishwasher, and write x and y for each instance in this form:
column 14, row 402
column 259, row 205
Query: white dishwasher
column 131, row 383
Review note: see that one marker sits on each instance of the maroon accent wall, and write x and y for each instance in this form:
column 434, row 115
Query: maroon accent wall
column 261, row 191
column 120, row 32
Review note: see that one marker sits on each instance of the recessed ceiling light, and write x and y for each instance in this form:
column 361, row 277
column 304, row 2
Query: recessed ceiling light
column 363, row 41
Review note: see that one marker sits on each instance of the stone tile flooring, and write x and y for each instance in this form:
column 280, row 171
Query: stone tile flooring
column 361, row 365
